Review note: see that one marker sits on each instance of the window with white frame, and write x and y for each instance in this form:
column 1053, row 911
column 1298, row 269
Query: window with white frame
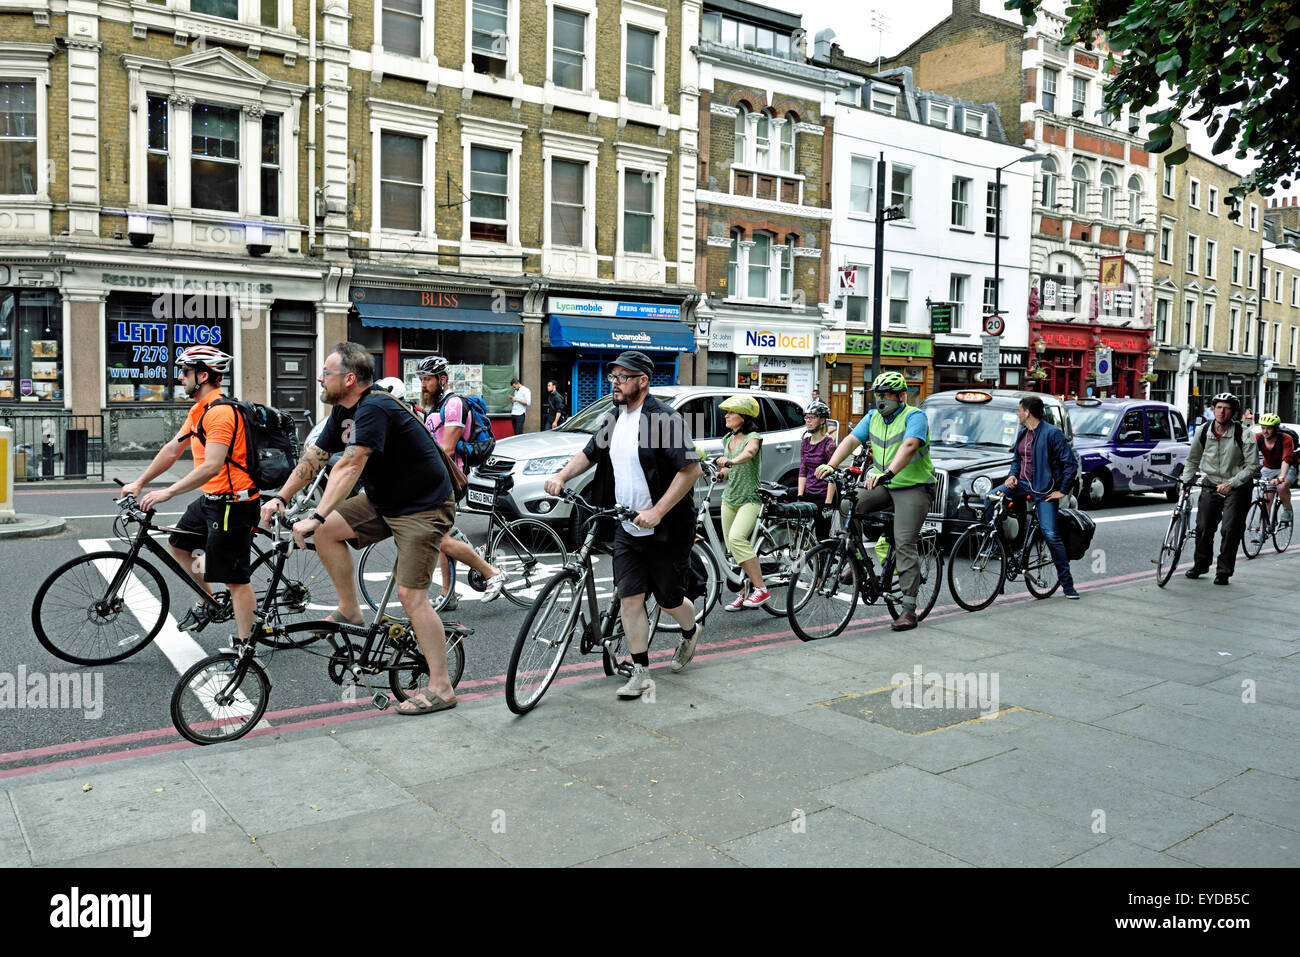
column 1263, row 281
column 1189, row 318
column 156, row 159
column 1207, row 325
column 1162, row 321
column 734, row 272
column 1079, row 190
column 1236, row 266
column 402, row 26
column 1250, row 271
column 1049, row 182
column 1212, row 200
column 1211, row 247
column 1192, row 241
column 899, row 281
column 568, row 203
column 1107, row 193
column 785, row 133
column 1166, row 244
column 862, row 184
column 1254, row 217
column 490, row 36
column 1050, row 78
column 271, row 162
column 1079, row 103
column 939, row 114
column 569, row 49
column 1294, row 331
column 638, row 212
column 1134, row 200
column 1277, row 334
column 489, row 190
column 900, row 189
column 264, row 13
column 19, row 137
column 1295, row 290
column 974, row 123
column 884, row 101
column 214, row 157
column 961, row 202
column 993, row 206
column 958, row 290
column 1194, row 193
column 1246, row 332
column 759, row 271
column 741, row 140
column 401, row 182
column 858, row 305
column 639, row 75
column 765, row 141
column 1277, row 285
column 1167, row 182
column 761, row 268
column 992, row 295
column 1234, row 319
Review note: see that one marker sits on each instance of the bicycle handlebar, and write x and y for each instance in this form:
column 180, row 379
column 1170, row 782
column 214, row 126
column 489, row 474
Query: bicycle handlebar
column 618, row 511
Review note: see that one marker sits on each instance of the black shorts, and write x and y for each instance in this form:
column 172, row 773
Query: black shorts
column 222, row 531
column 648, row 563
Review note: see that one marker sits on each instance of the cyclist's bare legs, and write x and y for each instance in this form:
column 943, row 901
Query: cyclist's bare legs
column 430, row 635
column 332, row 548
column 636, row 626
column 190, row 561
column 461, row 551
column 244, row 601
column 754, row 569
column 683, row 614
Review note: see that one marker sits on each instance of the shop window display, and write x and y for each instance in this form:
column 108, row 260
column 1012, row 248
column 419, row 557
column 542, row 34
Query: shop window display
column 31, row 346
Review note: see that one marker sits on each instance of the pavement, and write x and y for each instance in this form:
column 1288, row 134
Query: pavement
column 31, row 524
column 1139, row 727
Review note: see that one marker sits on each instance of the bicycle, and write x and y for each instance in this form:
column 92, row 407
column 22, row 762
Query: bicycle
column 1181, row 528
column 568, row 606
column 980, row 564
column 1263, row 520
column 224, row 696
column 835, row 574
column 105, row 606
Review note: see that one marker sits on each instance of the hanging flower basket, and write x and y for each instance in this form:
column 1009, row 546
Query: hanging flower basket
column 1148, row 377
column 1038, row 374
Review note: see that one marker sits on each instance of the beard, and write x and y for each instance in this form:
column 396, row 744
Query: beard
column 624, row 395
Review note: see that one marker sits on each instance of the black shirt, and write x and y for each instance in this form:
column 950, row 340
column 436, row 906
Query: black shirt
column 554, row 404
column 404, row 473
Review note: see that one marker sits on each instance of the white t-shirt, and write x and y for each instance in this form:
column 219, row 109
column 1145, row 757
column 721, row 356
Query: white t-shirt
column 630, row 488
column 523, row 395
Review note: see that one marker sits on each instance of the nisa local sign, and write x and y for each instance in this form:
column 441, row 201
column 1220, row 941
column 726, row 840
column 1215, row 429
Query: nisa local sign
column 764, row 340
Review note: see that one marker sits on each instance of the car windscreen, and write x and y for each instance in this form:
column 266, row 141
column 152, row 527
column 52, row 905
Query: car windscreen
column 953, row 426
column 1096, row 423
column 588, row 420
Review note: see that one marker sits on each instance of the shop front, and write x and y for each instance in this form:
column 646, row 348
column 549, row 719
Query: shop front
column 585, row 334
column 1064, row 357
column 913, row 356
column 763, row 355
column 1216, row 374
column 32, row 344
column 958, row 367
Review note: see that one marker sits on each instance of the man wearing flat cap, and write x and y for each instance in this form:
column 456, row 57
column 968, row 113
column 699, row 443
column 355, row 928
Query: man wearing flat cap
column 646, row 460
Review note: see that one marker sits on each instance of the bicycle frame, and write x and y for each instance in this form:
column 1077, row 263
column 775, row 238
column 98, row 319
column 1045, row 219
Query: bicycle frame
column 732, row 573
column 871, row 587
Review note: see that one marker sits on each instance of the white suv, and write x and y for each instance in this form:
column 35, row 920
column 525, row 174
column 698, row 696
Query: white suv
column 531, row 458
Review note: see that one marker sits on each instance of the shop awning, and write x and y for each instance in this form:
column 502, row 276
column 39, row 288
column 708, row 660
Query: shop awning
column 599, row 332
column 377, row 315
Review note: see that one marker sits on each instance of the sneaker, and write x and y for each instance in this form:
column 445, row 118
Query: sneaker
column 1220, row 579
column 1286, row 515
column 199, row 617
column 1069, row 592
column 638, row 684
column 756, row 598
column 686, row 650
column 235, row 645
column 451, row 603
column 736, row 605
column 495, row 586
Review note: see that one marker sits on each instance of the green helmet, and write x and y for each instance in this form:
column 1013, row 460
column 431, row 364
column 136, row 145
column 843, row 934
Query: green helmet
column 741, row 405
column 1270, row 418
column 889, row 382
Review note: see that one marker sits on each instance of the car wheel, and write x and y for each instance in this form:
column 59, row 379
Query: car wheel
column 1094, row 488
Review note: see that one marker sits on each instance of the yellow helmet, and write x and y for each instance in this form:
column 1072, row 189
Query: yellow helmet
column 741, row 405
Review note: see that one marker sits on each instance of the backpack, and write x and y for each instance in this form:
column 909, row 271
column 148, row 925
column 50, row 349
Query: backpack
column 271, row 446
column 1076, row 529
column 1205, row 432
column 477, row 443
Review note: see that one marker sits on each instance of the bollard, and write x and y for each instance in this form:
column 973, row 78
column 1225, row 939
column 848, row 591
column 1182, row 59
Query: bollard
column 6, row 473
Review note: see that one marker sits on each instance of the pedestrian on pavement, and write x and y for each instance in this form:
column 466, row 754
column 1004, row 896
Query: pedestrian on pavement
column 553, row 410
column 519, row 402
column 741, row 462
column 816, row 449
column 214, row 534
column 645, row 460
column 1248, row 420
column 898, row 434
column 1228, row 456
column 1044, row 459
column 407, row 495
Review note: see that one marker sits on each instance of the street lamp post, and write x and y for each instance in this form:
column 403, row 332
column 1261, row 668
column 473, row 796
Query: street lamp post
column 1260, row 329
column 997, row 227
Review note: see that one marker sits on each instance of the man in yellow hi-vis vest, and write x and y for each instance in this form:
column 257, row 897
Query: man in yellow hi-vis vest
column 901, row 476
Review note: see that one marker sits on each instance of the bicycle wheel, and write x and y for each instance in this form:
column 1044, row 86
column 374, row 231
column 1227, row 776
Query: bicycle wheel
column 1170, row 549
column 1256, row 530
column 1041, row 576
column 1281, row 529
column 823, row 592
column 779, row 550
column 977, row 567
column 530, row 553
column 220, row 698
column 931, row 578
column 376, row 566
column 543, row 638
column 703, row 563
column 410, row 672
column 305, row 593
column 76, row 619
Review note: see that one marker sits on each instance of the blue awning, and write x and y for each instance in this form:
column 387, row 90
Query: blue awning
column 599, row 332
column 377, row 315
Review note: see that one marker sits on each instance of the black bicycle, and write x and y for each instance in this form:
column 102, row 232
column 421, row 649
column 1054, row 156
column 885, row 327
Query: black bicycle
column 984, row 557
column 832, row 576
column 1264, row 520
column 106, row 606
column 224, row 696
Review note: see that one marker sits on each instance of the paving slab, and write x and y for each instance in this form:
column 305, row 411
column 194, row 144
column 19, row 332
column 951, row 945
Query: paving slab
column 1257, row 749
column 408, row 835
column 440, row 747
column 13, row 849
column 297, row 782
column 1141, row 663
column 677, row 699
column 223, row 844
column 1267, row 684
column 1120, row 853
column 1257, row 794
column 1200, row 702
column 1090, row 797
column 766, row 690
column 1241, row 842
column 711, row 798
column 569, row 729
column 675, row 851
column 966, row 824
column 1192, row 645
column 532, row 814
column 1045, row 666
column 834, row 838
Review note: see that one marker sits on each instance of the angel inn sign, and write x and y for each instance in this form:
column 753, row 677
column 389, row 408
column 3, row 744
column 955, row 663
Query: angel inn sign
column 967, row 357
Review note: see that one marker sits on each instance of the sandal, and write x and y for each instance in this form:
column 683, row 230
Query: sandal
column 424, row 701
column 337, row 615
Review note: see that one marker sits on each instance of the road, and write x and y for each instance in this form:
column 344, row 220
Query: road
column 134, row 715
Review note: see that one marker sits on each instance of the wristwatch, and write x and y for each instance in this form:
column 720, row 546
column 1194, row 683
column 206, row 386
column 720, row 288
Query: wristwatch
column 282, row 500
column 318, row 517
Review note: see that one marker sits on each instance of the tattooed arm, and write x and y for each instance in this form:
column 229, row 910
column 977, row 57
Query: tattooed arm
column 343, row 477
column 312, row 461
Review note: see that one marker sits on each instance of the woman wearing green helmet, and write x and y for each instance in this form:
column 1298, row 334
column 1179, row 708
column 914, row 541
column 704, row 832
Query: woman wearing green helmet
column 742, row 463
column 1276, row 457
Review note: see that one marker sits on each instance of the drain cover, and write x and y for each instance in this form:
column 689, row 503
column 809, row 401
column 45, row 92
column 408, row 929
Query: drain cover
column 918, row 708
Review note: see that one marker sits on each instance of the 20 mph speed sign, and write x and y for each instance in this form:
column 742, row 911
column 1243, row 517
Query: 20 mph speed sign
column 994, row 325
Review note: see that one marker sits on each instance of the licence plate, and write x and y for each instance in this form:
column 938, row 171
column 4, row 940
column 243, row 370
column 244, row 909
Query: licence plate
column 481, row 498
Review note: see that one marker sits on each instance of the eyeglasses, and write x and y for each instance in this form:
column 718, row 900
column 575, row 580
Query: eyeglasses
column 615, row 377
column 329, row 372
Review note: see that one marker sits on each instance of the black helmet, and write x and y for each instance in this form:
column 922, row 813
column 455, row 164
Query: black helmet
column 1229, row 398
column 432, row 365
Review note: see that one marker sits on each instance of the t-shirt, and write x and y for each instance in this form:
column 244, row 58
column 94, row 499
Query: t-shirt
column 918, row 427
column 1026, row 456
column 742, row 479
column 630, row 486
column 519, row 401
column 404, row 473
column 811, row 456
column 1282, row 450
column 554, row 404
column 452, row 413
column 219, row 427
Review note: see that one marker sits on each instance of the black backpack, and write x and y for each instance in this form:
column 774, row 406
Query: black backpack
column 270, row 441
column 1076, row 529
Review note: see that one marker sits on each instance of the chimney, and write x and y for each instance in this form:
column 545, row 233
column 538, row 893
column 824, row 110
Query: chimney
column 965, row 8
column 822, row 45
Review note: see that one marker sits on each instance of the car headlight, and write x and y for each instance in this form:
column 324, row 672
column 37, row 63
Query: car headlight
column 546, row 466
column 982, row 485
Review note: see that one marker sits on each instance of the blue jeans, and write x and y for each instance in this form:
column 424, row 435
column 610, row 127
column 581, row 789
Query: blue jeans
column 1047, row 514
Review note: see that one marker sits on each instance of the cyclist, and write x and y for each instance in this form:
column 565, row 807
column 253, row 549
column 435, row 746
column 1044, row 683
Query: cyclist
column 447, row 423
column 741, row 464
column 407, row 495
column 217, row 527
column 815, row 449
column 1277, row 456
column 899, row 435
column 645, row 460
column 1223, row 451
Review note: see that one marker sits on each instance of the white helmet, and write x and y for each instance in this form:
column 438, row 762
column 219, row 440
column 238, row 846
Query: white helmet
column 208, row 357
column 394, row 385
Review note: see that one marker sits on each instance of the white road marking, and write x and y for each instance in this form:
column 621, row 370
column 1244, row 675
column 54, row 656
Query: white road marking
column 1159, row 513
column 115, row 515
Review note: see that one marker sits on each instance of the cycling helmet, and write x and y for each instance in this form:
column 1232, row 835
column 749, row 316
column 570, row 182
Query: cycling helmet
column 1229, row 398
column 394, row 385
column 207, row 357
column 818, row 407
column 741, row 405
column 889, row 382
column 432, row 365
column 1270, row 418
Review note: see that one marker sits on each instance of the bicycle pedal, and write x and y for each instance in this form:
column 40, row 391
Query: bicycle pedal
column 625, row 669
column 380, row 700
